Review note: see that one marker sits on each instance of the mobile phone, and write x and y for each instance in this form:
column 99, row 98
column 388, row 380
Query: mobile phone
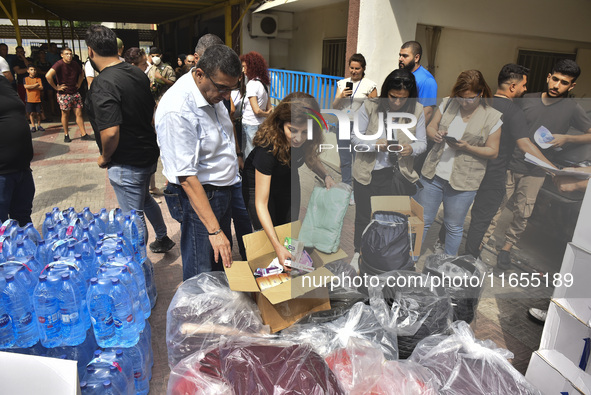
column 349, row 85
column 450, row 139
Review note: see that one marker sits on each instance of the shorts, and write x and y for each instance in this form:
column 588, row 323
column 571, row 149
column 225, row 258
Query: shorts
column 67, row 102
column 33, row 107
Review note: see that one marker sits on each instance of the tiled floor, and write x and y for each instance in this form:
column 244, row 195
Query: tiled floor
column 67, row 175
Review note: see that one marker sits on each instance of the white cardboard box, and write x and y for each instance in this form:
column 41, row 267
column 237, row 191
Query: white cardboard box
column 548, row 378
column 33, row 375
column 582, row 235
column 575, row 298
column 565, row 333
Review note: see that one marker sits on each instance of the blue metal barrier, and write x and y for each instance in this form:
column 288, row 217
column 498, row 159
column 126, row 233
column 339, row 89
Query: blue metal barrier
column 322, row 87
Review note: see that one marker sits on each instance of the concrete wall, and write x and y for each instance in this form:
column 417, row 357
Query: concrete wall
column 307, row 29
column 528, row 24
column 461, row 50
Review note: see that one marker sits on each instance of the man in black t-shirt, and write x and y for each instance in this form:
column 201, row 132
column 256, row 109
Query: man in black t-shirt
column 17, row 187
column 121, row 108
column 553, row 110
column 512, row 82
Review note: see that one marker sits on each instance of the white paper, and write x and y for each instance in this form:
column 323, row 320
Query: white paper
column 554, row 171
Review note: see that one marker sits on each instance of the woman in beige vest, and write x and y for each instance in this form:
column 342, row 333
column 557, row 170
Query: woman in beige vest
column 466, row 131
column 383, row 167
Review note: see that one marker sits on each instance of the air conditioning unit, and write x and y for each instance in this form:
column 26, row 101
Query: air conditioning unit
column 264, row 25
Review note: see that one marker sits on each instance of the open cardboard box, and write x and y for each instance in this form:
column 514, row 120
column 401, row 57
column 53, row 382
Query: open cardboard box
column 283, row 305
column 409, row 207
column 30, row 374
column 553, row 374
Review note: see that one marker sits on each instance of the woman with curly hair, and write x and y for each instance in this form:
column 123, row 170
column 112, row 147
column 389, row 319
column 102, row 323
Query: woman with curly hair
column 257, row 105
column 271, row 184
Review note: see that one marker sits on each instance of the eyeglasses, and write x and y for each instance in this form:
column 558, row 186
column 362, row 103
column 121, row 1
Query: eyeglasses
column 222, row 88
column 407, row 83
column 471, row 99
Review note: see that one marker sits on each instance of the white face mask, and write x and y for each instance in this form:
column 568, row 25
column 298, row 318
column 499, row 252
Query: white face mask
column 156, row 60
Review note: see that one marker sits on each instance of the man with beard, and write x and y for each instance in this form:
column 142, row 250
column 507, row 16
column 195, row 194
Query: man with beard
column 121, row 107
column 556, row 113
column 409, row 58
column 512, row 82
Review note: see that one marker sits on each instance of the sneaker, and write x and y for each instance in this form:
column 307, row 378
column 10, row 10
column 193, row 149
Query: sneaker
column 33, row 129
column 40, row 129
column 87, row 137
column 503, row 260
column 439, row 248
column 352, row 200
column 67, row 139
column 162, row 245
column 538, row 315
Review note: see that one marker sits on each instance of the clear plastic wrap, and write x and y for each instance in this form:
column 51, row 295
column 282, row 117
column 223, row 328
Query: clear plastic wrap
column 410, row 304
column 363, row 370
column 360, row 323
column 342, row 297
column 203, row 309
column 461, row 277
column 187, row 379
column 256, row 366
column 464, row 365
column 323, row 223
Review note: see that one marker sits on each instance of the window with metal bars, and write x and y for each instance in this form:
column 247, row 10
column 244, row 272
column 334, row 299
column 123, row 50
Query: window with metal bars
column 540, row 65
column 333, row 57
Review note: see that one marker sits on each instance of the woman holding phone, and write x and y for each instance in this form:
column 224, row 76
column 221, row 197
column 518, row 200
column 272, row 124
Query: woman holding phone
column 466, row 131
column 351, row 92
column 389, row 169
column 271, row 183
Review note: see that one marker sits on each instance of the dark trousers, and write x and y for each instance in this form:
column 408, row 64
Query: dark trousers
column 486, row 204
column 16, row 196
column 383, row 182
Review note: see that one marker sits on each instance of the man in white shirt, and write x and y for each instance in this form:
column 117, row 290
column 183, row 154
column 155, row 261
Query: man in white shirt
column 198, row 152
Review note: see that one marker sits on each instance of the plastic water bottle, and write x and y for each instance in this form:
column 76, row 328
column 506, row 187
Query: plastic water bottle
column 86, row 251
column 125, row 243
column 140, row 362
column 115, row 222
column 104, row 216
column 72, row 322
column 137, row 272
column 123, row 316
column 86, row 234
column 146, row 340
column 22, row 313
column 7, row 333
column 148, row 269
column 94, row 230
column 21, row 273
column 43, row 253
column 117, row 357
column 48, row 221
column 108, row 389
column 87, row 214
column 79, row 282
column 32, row 233
column 130, row 230
column 141, row 304
column 48, row 313
column 142, row 232
column 101, row 307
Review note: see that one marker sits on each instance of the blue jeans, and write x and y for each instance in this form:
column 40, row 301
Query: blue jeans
column 248, row 132
column 196, row 251
column 16, row 196
column 242, row 224
column 455, row 208
column 131, row 185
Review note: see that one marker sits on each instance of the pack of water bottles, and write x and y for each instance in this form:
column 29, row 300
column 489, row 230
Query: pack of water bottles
column 85, row 270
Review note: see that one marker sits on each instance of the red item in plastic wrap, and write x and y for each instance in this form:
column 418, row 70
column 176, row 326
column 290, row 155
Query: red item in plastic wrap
column 270, row 369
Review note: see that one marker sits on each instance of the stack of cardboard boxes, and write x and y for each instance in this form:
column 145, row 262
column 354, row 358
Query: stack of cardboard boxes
column 562, row 365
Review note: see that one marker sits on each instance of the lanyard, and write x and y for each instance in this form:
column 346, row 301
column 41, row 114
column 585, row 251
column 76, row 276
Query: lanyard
column 355, row 91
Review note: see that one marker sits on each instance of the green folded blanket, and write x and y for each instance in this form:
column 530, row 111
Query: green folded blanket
column 324, row 218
